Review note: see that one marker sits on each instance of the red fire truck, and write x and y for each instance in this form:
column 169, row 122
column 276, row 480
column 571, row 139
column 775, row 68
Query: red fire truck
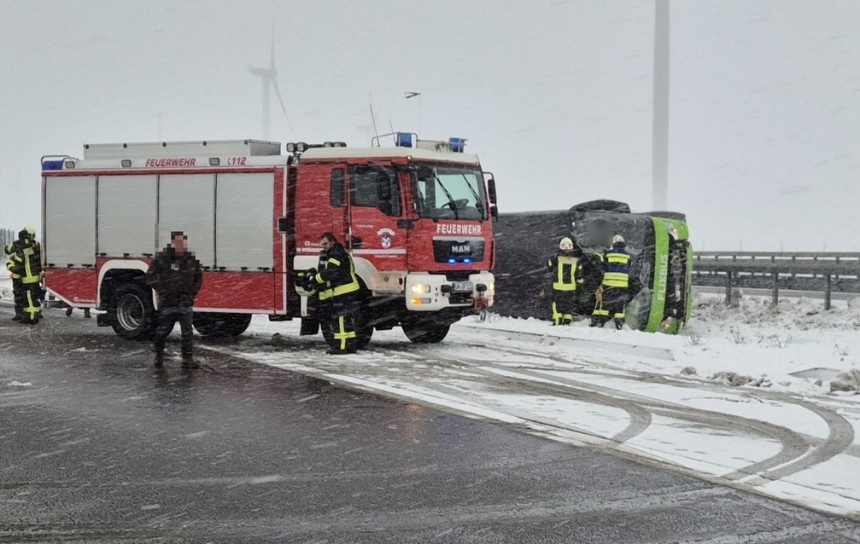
column 416, row 216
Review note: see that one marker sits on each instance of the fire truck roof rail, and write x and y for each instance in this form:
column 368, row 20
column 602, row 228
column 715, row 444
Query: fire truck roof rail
column 243, row 148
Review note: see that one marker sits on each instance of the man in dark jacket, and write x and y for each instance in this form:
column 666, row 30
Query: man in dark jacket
column 176, row 277
column 338, row 288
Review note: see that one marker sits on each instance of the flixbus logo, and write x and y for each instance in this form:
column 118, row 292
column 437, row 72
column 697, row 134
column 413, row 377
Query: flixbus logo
column 662, row 280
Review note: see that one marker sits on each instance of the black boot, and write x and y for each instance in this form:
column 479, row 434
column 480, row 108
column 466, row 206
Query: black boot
column 87, row 313
column 69, row 311
column 159, row 360
column 619, row 324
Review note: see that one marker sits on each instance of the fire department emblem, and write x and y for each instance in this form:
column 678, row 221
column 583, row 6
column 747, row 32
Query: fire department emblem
column 385, row 236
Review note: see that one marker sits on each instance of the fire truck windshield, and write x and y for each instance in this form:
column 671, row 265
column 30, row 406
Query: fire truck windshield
column 449, row 192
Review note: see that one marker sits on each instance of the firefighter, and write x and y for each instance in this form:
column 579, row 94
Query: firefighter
column 25, row 269
column 589, row 279
column 612, row 296
column 176, row 277
column 338, row 289
column 10, row 250
column 564, row 267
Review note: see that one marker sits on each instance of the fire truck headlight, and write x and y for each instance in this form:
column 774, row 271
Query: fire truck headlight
column 418, row 288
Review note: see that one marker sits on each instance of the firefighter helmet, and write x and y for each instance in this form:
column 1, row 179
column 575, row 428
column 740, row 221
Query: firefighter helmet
column 566, row 244
column 30, row 230
column 617, row 239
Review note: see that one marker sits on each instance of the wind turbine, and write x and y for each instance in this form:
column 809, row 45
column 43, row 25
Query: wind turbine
column 269, row 77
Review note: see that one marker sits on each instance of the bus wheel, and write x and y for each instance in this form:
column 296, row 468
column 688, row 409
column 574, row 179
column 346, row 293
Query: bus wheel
column 133, row 314
column 425, row 331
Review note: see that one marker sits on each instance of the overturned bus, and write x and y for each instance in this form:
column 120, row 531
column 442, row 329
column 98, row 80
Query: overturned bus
column 660, row 266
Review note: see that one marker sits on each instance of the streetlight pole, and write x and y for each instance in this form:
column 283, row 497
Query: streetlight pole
column 660, row 143
column 413, row 94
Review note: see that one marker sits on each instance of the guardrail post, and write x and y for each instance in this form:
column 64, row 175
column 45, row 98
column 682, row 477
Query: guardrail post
column 775, row 293
column 729, row 288
column 827, row 291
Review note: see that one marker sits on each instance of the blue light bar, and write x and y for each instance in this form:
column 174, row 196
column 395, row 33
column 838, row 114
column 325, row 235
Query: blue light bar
column 467, row 260
column 52, row 165
column 452, row 260
column 457, row 144
column 403, row 139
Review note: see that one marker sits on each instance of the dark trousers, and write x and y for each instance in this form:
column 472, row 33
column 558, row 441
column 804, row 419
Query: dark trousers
column 18, row 297
column 167, row 318
column 28, row 301
column 612, row 306
column 563, row 307
column 340, row 320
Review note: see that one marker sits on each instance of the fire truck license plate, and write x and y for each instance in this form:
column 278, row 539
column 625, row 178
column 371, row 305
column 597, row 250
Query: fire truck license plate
column 462, row 287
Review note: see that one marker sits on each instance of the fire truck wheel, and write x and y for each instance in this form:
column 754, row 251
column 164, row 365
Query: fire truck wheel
column 221, row 324
column 363, row 332
column 237, row 324
column 133, row 315
column 425, row 331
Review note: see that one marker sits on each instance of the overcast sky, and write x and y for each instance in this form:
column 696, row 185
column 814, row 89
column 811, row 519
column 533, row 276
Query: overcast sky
column 554, row 96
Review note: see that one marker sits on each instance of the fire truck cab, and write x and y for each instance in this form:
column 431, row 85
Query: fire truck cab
column 417, row 218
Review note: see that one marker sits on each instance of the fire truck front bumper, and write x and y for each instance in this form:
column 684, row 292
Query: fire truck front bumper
column 434, row 292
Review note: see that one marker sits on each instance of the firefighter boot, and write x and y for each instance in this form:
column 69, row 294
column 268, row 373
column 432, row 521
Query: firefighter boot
column 159, row 360
column 619, row 324
column 69, row 311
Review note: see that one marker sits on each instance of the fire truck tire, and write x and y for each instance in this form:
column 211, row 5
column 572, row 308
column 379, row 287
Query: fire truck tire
column 425, row 331
column 237, row 324
column 133, row 316
column 221, row 324
column 206, row 323
column 363, row 331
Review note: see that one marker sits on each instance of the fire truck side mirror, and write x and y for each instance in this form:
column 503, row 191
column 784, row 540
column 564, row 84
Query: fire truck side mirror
column 491, row 188
column 491, row 194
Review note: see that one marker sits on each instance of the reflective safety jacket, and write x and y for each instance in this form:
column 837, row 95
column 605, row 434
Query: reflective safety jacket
column 14, row 246
column 25, row 264
column 336, row 274
column 616, row 267
column 565, row 271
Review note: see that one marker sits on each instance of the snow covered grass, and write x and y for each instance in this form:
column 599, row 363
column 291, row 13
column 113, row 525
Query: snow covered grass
column 748, row 343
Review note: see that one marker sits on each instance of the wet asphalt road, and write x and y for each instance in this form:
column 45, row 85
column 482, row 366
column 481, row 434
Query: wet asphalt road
column 102, row 448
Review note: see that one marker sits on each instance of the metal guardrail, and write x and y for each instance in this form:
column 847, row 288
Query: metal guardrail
column 826, row 272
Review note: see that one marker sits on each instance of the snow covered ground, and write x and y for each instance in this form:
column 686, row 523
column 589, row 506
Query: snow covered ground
column 748, row 395
column 744, row 396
